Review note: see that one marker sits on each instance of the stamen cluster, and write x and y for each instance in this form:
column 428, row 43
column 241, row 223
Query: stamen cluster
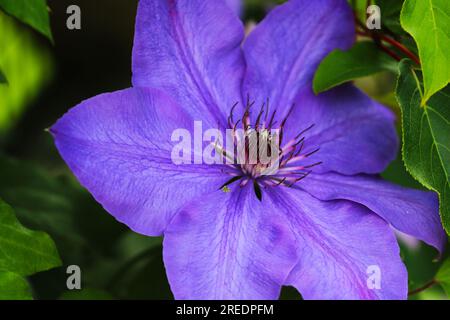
column 266, row 137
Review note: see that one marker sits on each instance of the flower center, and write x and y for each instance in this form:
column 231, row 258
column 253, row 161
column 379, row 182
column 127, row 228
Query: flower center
column 261, row 156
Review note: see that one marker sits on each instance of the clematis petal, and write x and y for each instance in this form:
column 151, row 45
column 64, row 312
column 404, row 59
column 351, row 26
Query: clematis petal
column 191, row 49
column 235, row 5
column 345, row 251
column 410, row 211
column 284, row 50
column 228, row 246
column 353, row 133
column 119, row 146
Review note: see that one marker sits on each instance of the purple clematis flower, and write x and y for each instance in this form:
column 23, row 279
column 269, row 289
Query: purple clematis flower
column 323, row 223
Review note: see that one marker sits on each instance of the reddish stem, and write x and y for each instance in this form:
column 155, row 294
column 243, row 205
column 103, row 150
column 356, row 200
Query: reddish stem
column 389, row 52
column 362, row 33
column 422, row 288
column 380, row 45
column 400, row 47
column 377, row 37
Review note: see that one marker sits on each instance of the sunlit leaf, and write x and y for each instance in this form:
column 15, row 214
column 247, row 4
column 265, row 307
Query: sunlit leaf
column 363, row 59
column 33, row 13
column 443, row 276
column 426, row 136
column 14, row 287
column 428, row 22
column 27, row 66
column 22, row 250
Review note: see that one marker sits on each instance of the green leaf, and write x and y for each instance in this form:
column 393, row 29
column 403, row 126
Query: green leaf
column 44, row 202
column 426, row 136
column 443, row 276
column 363, row 59
column 57, row 204
column 428, row 22
column 24, row 251
column 33, row 13
column 2, row 77
column 14, row 287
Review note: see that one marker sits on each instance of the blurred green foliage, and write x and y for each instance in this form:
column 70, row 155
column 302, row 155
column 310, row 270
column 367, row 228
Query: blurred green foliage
column 390, row 15
column 110, row 256
column 86, row 294
column 27, row 66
